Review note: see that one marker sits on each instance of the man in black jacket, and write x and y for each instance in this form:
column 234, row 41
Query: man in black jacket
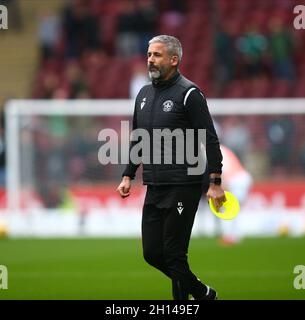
column 173, row 102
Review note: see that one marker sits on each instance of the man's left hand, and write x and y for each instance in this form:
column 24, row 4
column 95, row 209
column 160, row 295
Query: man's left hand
column 217, row 195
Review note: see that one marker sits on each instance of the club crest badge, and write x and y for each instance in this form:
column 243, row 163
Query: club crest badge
column 168, row 105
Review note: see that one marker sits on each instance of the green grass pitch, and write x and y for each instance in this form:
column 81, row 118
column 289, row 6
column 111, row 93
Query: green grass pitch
column 114, row 269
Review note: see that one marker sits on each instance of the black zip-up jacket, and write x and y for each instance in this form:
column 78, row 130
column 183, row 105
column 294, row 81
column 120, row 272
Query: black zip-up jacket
column 175, row 103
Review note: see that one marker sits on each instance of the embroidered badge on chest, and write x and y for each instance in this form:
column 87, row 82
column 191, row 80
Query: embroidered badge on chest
column 168, row 105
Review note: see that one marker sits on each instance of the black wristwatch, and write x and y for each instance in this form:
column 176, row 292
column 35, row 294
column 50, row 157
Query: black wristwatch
column 216, row 181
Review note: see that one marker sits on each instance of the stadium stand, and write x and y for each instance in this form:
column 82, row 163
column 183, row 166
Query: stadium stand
column 232, row 48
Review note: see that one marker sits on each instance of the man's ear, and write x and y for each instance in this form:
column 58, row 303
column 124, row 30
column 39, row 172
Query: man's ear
column 174, row 60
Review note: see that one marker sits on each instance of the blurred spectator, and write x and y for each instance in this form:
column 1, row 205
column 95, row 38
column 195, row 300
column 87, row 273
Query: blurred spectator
column 138, row 79
column 81, row 29
column 225, row 43
column 50, row 83
column 60, row 94
column 236, row 136
column 146, row 20
column 83, row 94
column 51, row 194
column 281, row 48
column 252, row 46
column 48, row 34
column 77, row 86
column 127, row 39
column 94, row 61
column 280, row 132
column 173, row 18
column 86, row 148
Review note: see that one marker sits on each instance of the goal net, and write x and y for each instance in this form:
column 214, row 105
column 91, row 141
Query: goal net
column 56, row 185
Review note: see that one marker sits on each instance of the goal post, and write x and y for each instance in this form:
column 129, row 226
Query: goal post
column 53, row 168
column 15, row 110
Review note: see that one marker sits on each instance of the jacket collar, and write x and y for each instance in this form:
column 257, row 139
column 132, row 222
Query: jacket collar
column 167, row 83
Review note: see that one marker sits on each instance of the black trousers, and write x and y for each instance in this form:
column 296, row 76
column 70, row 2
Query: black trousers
column 165, row 238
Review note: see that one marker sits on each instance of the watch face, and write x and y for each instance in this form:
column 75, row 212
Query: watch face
column 216, row 181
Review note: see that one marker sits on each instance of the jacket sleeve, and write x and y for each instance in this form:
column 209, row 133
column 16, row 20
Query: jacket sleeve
column 200, row 118
column 131, row 168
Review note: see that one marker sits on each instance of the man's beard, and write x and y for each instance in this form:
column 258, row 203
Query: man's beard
column 157, row 73
column 154, row 75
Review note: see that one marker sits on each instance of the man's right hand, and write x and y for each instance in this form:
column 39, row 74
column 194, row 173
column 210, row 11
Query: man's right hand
column 124, row 187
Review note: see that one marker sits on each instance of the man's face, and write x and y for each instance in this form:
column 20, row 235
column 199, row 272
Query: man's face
column 160, row 63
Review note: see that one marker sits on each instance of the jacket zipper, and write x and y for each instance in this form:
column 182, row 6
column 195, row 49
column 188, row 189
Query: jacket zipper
column 153, row 109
